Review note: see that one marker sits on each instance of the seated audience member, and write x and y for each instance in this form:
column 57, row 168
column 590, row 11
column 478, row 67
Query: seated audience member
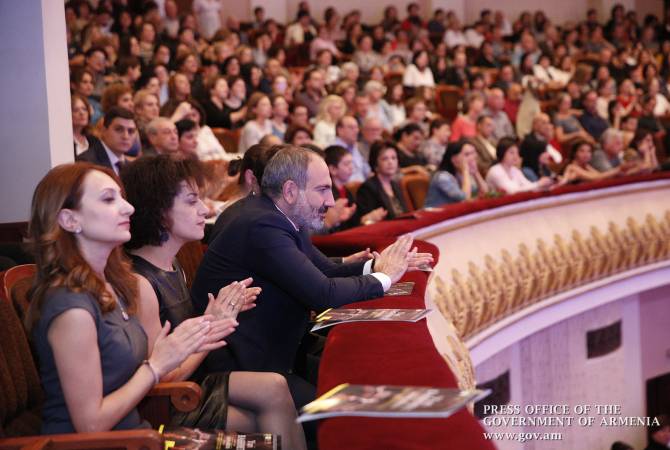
column 168, row 214
column 146, row 108
column 381, row 194
column 298, row 135
column 95, row 359
column 610, row 153
column 249, row 176
column 187, row 130
column 590, row 119
column 209, row 147
column 313, row 91
column 618, row 445
column 458, row 74
column 648, row 120
column 506, row 175
column 486, row 150
column 179, row 88
column 300, row 31
column 395, row 100
column 659, row 435
column 270, row 240
column 347, row 137
column 279, row 116
column 259, row 112
column 81, row 115
column 579, row 166
column 409, row 138
column 117, row 94
column 236, row 101
column 331, row 110
column 457, row 178
column 536, row 150
column 417, row 113
column 340, row 165
column 433, row 148
column 662, row 107
column 365, row 56
column 465, row 125
column 218, row 114
column 378, row 108
column 298, row 115
column 418, row 73
column 502, row 126
column 641, row 157
column 371, row 131
column 82, row 83
column 117, row 137
column 513, row 98
column 568, row 127
column 162, row 136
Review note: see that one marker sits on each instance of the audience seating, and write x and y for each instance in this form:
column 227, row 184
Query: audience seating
column 414, row 189
column 16, row 284
column 353, row 187
column 16, row 274
column 229, row 139
column 447, row 99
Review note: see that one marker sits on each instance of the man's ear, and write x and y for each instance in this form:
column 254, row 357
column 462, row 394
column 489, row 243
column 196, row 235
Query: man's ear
column 68, row 220
column 290, row 192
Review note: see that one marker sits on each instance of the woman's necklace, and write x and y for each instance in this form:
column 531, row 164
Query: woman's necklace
column 124, row 313
column 119, row 302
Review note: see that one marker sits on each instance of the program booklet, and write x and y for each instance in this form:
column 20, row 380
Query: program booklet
column 182, row 438
column 404, row 288
column 332, row 317
column 389, row 401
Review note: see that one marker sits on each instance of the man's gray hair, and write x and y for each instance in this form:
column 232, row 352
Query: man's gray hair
column 290, row 163
column 609, row 135
column 154, row 125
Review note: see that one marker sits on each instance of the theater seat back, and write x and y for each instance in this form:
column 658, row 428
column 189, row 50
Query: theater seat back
column 20, row 391
column 414, row 188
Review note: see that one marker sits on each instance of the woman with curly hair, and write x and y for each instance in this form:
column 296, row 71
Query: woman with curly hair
column 169, row 214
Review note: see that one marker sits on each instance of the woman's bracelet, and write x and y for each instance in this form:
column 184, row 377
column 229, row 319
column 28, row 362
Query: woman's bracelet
column 154, row 372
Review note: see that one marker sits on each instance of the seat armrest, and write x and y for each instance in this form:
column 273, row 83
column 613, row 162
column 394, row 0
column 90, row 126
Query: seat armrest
column 126, row 439
column 165, row 398
column 184, row 395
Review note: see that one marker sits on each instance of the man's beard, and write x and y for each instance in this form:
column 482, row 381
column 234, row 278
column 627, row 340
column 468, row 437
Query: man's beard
column 306, row 217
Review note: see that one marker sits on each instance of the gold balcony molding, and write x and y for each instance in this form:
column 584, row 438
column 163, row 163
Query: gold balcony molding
column 506, row 285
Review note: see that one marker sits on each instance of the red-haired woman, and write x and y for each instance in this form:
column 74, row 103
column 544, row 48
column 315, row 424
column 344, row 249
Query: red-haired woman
column 95, row 364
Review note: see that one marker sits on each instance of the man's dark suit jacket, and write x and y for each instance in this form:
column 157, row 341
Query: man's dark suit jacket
column 260, row 242
column 96, row 154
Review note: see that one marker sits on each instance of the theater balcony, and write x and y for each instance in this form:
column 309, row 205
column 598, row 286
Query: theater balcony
column 559, row 298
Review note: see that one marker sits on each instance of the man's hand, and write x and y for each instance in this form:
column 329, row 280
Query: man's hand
column 361, row 256
column 394, row 259
column 419, row 261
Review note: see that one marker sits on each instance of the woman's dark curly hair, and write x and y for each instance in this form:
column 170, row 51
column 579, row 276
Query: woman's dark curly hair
column 152, row 183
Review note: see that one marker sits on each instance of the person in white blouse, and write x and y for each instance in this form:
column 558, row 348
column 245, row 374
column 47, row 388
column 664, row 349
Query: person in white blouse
column 208, row 13
column 331, row 109
column 418, row 73
column 454, row 35
column 506, row 176
column 259, row 112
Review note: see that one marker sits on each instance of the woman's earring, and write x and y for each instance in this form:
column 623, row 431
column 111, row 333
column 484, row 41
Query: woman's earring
column 164, row 236
column 77, row 230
